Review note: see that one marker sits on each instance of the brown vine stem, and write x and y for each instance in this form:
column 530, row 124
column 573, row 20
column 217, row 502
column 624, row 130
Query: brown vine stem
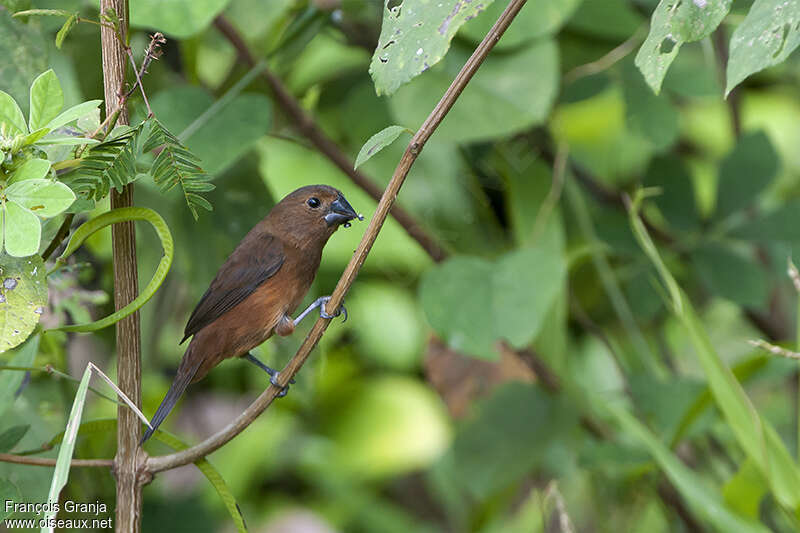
column 45, row 461
column 190, row 455
column 308, row 128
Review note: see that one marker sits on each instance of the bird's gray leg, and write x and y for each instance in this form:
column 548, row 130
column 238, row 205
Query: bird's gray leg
column 273, row 374
column 320, row 302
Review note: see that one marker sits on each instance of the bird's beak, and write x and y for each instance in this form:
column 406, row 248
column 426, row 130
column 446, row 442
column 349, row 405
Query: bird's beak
column 341, row 212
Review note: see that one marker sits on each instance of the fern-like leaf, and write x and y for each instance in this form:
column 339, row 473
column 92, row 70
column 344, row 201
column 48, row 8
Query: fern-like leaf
column 176, row 165
column 111, row 163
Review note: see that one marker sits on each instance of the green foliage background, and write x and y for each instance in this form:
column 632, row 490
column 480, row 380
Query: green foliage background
column 410, row 416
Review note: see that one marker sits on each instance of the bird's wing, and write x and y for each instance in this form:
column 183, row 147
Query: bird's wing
column 241, row 274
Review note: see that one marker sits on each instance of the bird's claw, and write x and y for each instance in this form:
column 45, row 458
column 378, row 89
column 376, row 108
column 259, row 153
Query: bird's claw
column 342, row 310
column 273, row 379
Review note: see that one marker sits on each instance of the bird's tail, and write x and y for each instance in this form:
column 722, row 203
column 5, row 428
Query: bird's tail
column 184, row 376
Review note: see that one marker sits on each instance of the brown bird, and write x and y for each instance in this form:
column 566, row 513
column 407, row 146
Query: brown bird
column 259, row 286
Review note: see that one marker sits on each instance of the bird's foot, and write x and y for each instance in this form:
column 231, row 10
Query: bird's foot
column 342, row 309
column 273, row 374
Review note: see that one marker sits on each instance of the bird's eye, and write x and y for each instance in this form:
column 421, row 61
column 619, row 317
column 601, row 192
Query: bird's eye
column 313, row 202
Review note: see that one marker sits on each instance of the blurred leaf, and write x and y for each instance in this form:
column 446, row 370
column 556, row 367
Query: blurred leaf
column 610, row 19
column 10, row 380
column 11, row 118
column 673, row 24
column 25, row 56
column 176, row 18
column 32, row 169
column 512, row 432
column 212, row 475
column 755, row 435
column 729, row 274
column 378, row 142
column 646, row 114
column 10, row 437
column 745, row 172
column 22, row 230
column 545, row 18
column 226, row 136
column 501, row 99
column 676, row 201
column 702, row 499
column 781, row 225
column 472, row 303
column 47, row 99
column 745, row 490
column 766, row 37
column 45, row 198
column 415, row 35
column 8, row 493
column 389, row 425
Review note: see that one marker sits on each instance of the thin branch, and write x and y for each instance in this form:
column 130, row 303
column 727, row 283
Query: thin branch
column 608, row 60
column 307, row 127
column 45, row 461
column 554, row 194
column 190, row 455
column 774, row 349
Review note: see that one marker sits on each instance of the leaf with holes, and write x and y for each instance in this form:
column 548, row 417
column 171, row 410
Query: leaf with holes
column 414, row 36
column 769, row 33
column 674, row 23
column 378, row 142
column 23, row 297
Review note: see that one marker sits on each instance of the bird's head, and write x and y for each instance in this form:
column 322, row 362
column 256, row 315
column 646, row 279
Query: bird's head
column 313, row 212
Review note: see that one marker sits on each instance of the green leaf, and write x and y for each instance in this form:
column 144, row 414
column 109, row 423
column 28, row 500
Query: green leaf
column 10, row 380
column 415, row 35
column 745, row 172
column 701, row 498
column 501, row 99
column 646, row 114
column 532, row 423
column 64, row 460
column 45, row 198
column 8, row 493
column 67, row 141
column 43, row 13
column 745, row 490
column 22, row 231
column 472, row 303
column 176, row 165
column 12, row 121
column 178, row 18
column 36, row 135
column 23, row 298
column 10, row 437
column 65, row 29
column 212, row 475
column 674, row 23
column 545, row 19
column 378, row 142
column 24, row 52
column 677, row 201
column 757, row 437
column 245, row 119
column 779, row 225
column 766, row 37
column 32, row 169
column 47, row 99
column 73, row 113
column 729, row 274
